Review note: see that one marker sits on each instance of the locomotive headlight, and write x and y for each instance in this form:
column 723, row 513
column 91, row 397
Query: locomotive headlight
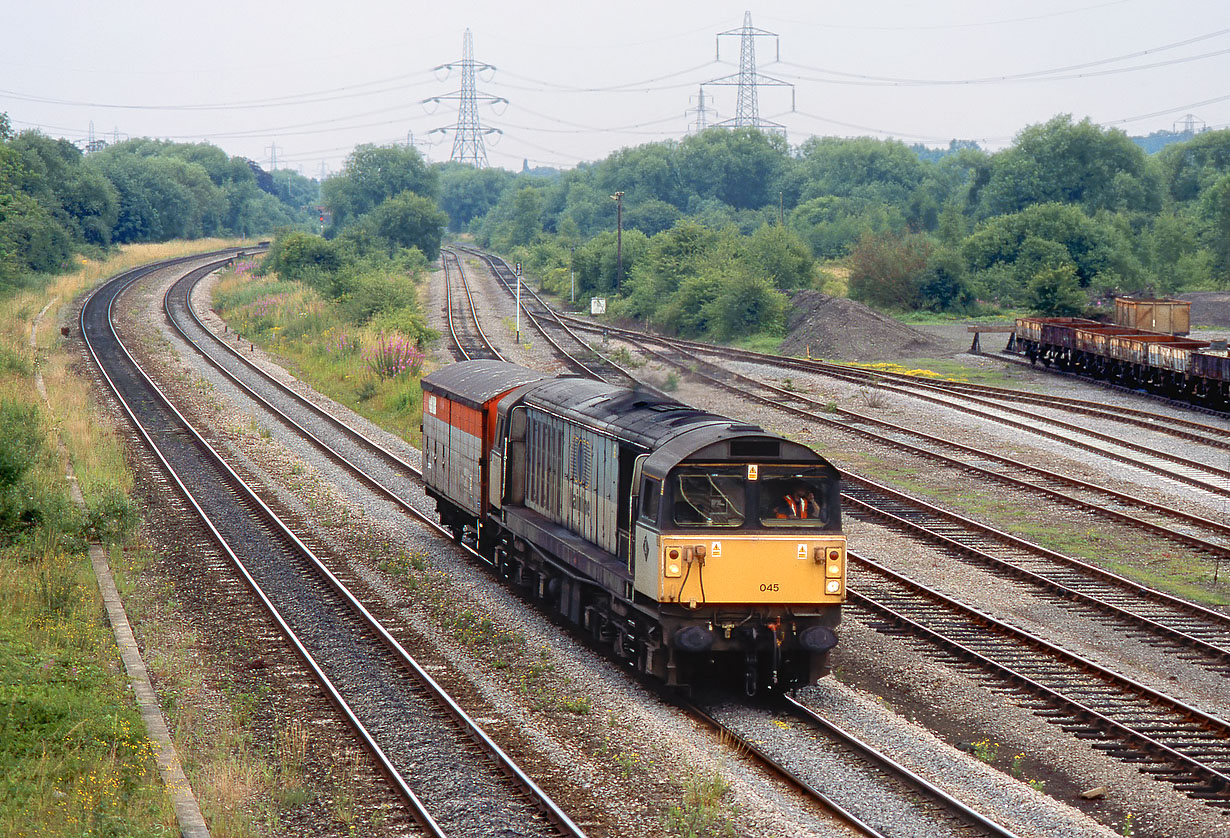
column 833, row 567
column 674, row 567
column 832, row 586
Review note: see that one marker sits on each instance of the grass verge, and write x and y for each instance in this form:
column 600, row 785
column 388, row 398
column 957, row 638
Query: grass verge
column 74, row 756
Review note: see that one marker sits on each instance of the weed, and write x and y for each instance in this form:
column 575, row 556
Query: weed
column 366, row 389
column 1017, row 769
column 830, row 406
column 580, row 705
column 671, row 384
column 624, row 358
column 873, row 396
column 985, row 750
column 1129, row 825
column 701, row 812
column 343, row 775
column 628, row 762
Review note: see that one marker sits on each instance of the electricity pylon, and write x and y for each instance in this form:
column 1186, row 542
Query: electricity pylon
column 747, row 110
column 468, row 138
column 702, row 113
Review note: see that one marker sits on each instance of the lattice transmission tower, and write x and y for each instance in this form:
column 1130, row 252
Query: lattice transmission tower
column 468, row 144
column 747, row 109
column 702, row 113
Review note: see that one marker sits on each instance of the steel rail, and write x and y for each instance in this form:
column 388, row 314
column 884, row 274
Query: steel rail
column 367, row 442
column 1007, row 357
column 448, row 258
column 1137, row 740
column 182, row 291
column 469, row 727
column 114, row 288
column 778, row 769
column 1141, row 456
column 851, row 420
column 952, row 804
column 500, row 270
column 1182, row 428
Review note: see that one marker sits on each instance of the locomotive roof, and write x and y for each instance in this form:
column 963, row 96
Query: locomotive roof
column 670, row 430
column 638, row 416
column 474, row 383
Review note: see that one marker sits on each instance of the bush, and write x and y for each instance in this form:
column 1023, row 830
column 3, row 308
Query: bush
column 21, row 445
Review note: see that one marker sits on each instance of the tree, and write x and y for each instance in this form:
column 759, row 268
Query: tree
column 372, row 175
column 409, row 220
column 885, row 270
column 1094, row 246
column 1079, row 163
column 650, row 216
column 302, row 257
column 885, row 171
column 747, row 305
column 943, row 285
column 831, row 226
column 742, row 167
column 1189, row 168
column 1056, row 292
column 1215, row 208
column 467, row 193
column 780, row 255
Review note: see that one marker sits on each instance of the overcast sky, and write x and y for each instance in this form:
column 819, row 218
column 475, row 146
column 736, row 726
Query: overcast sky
column 584, row 78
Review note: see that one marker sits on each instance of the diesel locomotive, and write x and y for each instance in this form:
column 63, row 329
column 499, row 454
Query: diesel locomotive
column 683, row 540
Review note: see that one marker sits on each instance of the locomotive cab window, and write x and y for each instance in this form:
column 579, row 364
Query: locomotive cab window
column 708, row 497
column 796, row 497
column 649, row 499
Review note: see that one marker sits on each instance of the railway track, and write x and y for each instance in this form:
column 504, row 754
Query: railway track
column 829, row 764
column 383, row 470
column 979, row 395
column 1013, row 358
column 1175, row 426
column 1204, row 474
column 567, row 343
column 469, row 339
column 452, row 776
column 1207, row 537
column 1129, row 714
column 1164, row 737
column 1130, row 751
column 1201, row 635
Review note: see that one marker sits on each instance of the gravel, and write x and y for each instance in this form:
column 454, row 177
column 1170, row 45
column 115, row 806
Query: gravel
column 627, row 757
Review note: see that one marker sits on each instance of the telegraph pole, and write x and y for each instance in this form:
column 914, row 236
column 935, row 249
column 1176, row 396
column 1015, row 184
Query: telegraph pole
column 618, row 198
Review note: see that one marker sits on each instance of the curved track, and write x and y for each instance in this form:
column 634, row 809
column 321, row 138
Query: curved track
column 454, row 778
column 388, row 474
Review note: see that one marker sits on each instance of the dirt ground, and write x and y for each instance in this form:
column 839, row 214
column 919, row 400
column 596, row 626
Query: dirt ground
column 1210, row 309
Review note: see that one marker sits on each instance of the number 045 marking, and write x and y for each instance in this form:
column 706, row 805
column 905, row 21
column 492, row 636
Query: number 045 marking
column 770, row 586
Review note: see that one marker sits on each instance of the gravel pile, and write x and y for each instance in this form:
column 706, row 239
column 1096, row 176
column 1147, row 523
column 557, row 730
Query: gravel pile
column 835, row 327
